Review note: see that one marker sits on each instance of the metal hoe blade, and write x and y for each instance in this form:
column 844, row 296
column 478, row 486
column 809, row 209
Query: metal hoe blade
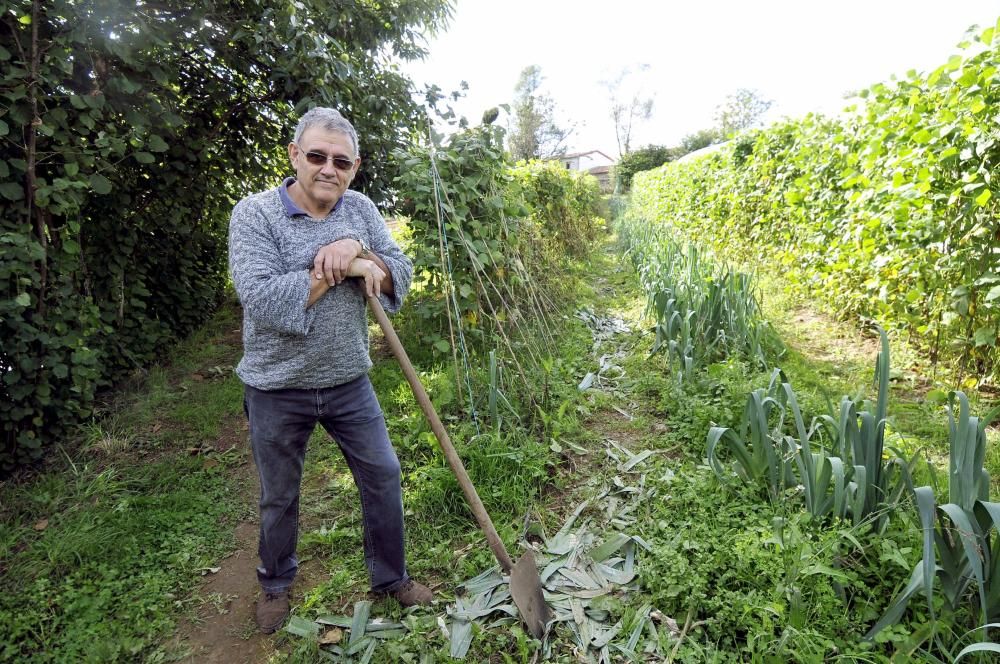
column 526, row 589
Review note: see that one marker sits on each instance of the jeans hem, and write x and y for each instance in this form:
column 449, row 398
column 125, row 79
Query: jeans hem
column 392, row 587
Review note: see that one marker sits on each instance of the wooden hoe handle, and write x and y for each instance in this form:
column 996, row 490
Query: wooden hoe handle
column 485, row 523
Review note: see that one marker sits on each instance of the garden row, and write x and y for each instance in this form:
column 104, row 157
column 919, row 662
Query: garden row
column 838, row 467
column 888, row 212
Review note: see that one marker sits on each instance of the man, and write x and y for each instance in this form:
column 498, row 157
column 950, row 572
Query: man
column 302, row 257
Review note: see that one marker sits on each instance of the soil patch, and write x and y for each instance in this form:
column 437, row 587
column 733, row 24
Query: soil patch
column 223, row 629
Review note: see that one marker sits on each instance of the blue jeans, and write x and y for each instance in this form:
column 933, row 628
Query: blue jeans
column 281, row 422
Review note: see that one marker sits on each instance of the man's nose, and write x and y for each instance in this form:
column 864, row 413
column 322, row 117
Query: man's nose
column 328, row 168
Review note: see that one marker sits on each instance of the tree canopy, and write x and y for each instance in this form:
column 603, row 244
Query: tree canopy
column 628, row 105
column 741, row 110
column 534, row 133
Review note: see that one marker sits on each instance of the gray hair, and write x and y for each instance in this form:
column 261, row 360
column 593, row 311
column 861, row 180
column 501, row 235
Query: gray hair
column 330, row 120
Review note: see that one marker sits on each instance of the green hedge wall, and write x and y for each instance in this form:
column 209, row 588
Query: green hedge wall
column 889, row 212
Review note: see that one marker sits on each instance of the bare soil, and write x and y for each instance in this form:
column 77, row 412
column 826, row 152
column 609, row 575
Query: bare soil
column 221, row 628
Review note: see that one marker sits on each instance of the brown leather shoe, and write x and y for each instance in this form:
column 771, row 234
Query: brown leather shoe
column 272, row 610
column 412, row 593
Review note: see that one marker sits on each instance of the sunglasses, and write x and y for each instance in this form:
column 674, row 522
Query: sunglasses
column 320, row 159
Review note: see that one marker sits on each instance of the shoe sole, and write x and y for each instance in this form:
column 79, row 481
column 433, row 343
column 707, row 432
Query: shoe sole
column 270, row 630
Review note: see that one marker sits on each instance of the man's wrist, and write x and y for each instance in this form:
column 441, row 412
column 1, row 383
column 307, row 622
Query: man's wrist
column 363, row 250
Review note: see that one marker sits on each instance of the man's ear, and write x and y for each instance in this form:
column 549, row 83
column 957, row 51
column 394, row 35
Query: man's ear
column 293, row 150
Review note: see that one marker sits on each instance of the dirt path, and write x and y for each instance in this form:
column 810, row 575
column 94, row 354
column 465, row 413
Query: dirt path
column 223, row 628
column 220, row 627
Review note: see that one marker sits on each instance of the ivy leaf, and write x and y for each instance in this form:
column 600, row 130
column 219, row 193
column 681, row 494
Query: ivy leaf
column 144, row 157
column 442, row 345
column 72, row 168
column 23, row 299
column 983, row 198
column 156, row 144
column 12, row 191
column 100, row 184
column 993, row 294
column 986, row 336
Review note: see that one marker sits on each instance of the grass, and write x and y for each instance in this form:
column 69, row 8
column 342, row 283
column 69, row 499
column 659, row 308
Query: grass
column 121, row 522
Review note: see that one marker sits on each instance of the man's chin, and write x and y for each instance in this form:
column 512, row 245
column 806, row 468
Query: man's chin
column 327, row 195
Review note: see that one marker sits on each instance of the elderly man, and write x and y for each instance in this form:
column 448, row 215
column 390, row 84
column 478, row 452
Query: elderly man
column 294, row 253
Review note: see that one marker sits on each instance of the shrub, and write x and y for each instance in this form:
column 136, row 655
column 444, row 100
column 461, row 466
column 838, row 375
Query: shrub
column 565, row 204
column 486, row 234
column 643, row 159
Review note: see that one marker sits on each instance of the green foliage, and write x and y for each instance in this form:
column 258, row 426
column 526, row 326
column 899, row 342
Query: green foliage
column 842, row 474
column 470, row 237
column 961, row 539
column 131, row 130
column 889, row 213
column 564, row 204
column 489, row 236
column 534, row 133
column 700, row 139
column 762, row 587
column 643, row 159
column 741, row 110
column 704, row 311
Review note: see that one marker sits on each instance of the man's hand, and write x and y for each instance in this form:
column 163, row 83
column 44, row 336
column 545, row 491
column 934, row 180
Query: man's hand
column 370, row 272
column 333, row 260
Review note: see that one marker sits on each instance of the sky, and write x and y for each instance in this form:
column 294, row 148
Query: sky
column 804, row 55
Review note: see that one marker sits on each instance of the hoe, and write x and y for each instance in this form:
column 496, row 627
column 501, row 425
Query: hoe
column 525, row 584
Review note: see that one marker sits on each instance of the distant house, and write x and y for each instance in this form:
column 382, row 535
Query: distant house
column 584, row 161
column 594, row 162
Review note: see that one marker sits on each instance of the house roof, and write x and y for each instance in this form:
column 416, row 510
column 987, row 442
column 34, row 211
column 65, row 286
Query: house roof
column 573, row 155
column 598, row 170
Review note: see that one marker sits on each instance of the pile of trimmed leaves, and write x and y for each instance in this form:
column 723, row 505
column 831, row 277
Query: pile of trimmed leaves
column 588, row 570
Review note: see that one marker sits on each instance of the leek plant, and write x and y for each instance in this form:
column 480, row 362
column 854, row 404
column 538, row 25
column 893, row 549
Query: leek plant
column 841, row 473
column 765, row 460
column 961, row 539
column 704, row 311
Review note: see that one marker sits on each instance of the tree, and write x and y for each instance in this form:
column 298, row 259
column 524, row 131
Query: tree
column 699, row 139
column 627, row 105
column 741, row 110
column 534, row 133
column 643, row 159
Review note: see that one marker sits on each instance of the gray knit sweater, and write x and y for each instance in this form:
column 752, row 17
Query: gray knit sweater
column 286, row 345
